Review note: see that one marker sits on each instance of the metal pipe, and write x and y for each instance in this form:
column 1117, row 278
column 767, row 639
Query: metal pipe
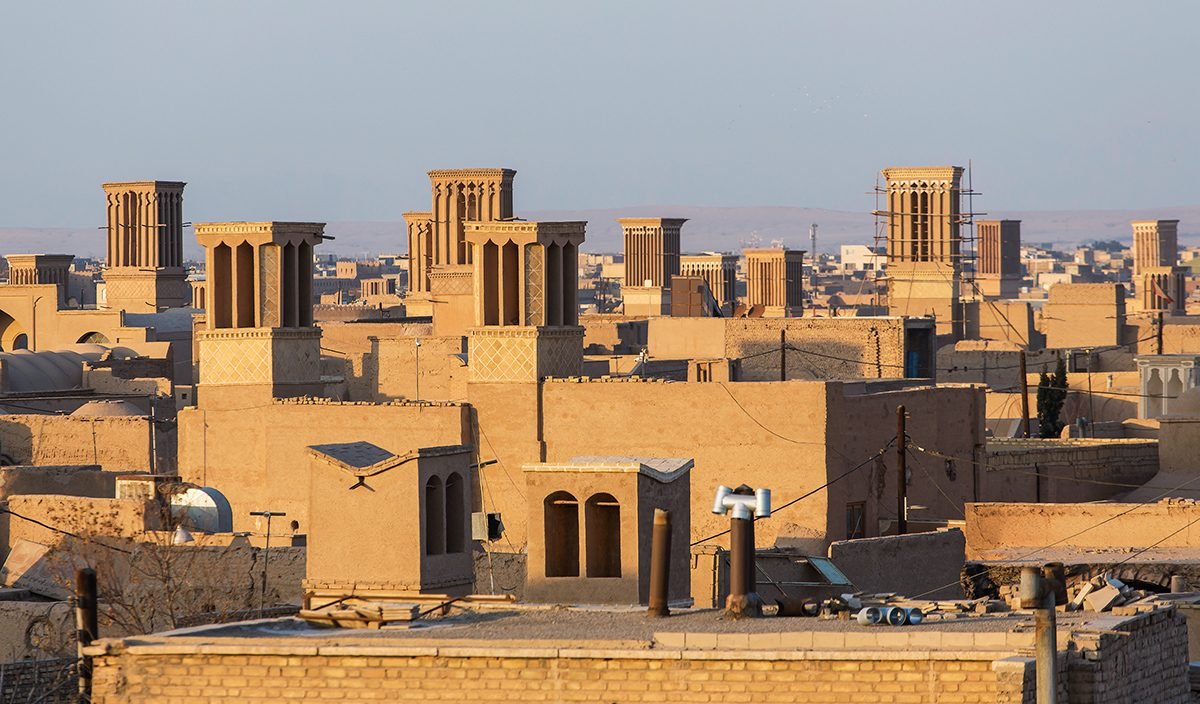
column 660, row 563
column 901, row 473
column 86, row 626
column 742, row 601
column 1038, row 593
column 783, row 354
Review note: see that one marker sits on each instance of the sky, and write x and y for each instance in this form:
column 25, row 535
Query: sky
column 334, row 111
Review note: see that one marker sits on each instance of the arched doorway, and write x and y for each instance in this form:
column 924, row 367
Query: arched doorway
column 12, row 334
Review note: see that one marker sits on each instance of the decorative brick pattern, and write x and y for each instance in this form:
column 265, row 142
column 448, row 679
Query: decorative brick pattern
column 259, row 356
column 534, row 284
column 516, row 354
column 269, row 277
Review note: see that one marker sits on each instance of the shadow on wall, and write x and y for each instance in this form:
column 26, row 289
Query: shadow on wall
column 16, row 443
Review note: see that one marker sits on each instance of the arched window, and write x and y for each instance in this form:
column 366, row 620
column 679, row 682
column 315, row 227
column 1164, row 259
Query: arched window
column 95, row 338
column 456, row 513
column 603, row 516
column 435, row 517
column 561, row 516
column 21, row 342
column 1174, row 390
column 1154, row 394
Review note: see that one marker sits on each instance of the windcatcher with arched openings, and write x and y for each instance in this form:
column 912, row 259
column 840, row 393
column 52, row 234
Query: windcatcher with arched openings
column 590, row 522
column 456, row 513
column 258, row 340
column 561, row 534
column 385, row 522
column 433, row 508
column 526, row 279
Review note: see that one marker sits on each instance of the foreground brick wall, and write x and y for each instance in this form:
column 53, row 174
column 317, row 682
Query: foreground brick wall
column 1141, row 659
column 177, row 674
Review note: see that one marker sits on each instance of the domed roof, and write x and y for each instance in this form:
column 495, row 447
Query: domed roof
column 107, row 408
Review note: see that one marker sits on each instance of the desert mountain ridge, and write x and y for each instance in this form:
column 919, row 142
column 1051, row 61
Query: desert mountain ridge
column 708, row 228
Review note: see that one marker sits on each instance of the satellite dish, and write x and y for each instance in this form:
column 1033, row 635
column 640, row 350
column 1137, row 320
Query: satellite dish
column 202, row 509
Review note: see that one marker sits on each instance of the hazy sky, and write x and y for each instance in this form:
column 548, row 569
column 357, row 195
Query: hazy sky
column 334, row 110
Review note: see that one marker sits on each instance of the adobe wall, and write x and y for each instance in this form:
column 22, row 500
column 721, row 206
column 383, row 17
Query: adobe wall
column 1179, row 444
column 1113, row 397
column 387, row 371
column 116, row 443
column 1177, row 338
column 874, row 347
column 117, row 518
column 342, row 339
column 1003, row 320
column 1000, row 528
column 997, row 364
column 1066, row 471
column 945, row 419
column 257, row 456
column 762, row 434
column 1084, row 315
column 886, row 564
column 71, row 480
column 611, row 333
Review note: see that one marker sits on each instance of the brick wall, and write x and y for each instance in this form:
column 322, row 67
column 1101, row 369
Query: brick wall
column 173, row 674
column 1111, row 664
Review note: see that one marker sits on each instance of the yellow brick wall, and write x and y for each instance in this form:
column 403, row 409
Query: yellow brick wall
column 604, row 676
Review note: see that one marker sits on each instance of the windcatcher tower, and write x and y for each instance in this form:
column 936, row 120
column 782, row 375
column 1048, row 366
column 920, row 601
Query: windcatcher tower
column 258, row 341
column 998, row 268
column 924, row 243
column 145, row 246
column 526, row 281
column 652, row 251
column 438, row 250
column 775, row 281
column 1160, row 283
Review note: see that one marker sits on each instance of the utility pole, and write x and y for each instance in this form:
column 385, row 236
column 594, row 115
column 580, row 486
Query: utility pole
column 1024, row 398
column 262, row 601
column 812, row 233
column 417, row 379
column 783, row 354
column 901, row 474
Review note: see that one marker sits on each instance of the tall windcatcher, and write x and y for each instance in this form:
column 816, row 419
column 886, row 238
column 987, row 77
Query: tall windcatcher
column 924, row 243
column 145, row 246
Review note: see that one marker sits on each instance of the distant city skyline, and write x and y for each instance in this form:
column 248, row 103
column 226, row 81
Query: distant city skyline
column 334, row 111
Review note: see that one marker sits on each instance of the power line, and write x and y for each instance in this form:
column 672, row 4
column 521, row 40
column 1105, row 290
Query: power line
column 800, row 498
column 47, row 526
column 1069, row 537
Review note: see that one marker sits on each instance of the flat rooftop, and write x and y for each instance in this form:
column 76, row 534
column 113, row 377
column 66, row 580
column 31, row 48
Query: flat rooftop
column 604, row 628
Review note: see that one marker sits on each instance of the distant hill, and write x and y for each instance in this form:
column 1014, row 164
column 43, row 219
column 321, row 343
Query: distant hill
column 708, row 228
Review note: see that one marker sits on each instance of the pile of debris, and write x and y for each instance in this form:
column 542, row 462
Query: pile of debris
column 1098, row 594
column 848, row 606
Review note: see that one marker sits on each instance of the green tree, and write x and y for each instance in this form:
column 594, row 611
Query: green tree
column 1051, row 394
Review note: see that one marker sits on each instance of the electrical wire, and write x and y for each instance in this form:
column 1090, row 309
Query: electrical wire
column 800, row 498
column 47, row 526
column 1030, row 554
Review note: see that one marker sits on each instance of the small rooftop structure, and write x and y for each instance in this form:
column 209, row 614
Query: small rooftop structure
column 383, row 524
column 603, row 556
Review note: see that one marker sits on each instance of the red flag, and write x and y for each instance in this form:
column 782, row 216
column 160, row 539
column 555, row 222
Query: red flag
column 1161, row 293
